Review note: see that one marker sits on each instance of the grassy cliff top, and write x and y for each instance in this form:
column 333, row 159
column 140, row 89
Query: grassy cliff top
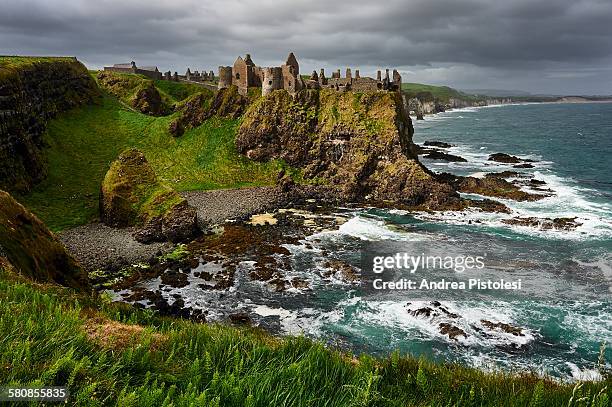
column 441, row 93
column 11, row 62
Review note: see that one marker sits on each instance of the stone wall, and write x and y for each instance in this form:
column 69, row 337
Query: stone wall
column 30, row 94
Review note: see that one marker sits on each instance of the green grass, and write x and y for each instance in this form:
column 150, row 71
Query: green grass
column 43, row 342
column 178, row 91
column 84, row 141
column 20, row 61
column 441, row 93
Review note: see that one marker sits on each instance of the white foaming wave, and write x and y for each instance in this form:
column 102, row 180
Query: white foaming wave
column 395, row 316
column 568, row 201
column 584, row 374
column 372, row 229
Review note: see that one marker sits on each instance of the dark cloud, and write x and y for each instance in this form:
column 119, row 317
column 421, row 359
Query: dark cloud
column 546, row 46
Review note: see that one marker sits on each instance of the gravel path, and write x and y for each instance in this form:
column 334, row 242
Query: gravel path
column 97, row 246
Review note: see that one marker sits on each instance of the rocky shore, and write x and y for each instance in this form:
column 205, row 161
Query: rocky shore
column 98, row 246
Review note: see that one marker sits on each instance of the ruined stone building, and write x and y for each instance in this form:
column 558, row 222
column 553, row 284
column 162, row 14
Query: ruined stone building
column 356, row 82
column 149, row 71
column 245, row 74
column 196, row 76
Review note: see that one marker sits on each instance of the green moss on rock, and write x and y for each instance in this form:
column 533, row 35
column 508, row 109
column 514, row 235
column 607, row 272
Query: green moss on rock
column 136, row 91
column 32, row 250
column 359, row 143
column 132, row 195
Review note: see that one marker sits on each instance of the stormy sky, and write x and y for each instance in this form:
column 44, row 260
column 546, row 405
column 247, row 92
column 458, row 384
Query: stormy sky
column 552, row 46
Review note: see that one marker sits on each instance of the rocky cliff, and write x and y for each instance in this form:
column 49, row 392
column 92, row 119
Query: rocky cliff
column 359, row 144
column 32, row 90
column 28, row 247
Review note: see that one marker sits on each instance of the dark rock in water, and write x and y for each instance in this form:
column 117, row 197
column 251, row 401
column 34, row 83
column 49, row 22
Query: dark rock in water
column 490, row 186
column 30, row 249
column 175, row 279
column 504, row 174
column 523, row 166
column 516, row 331
column 419, row 116
column 299, row 283
column 131, row 194
column 504, row 158
column 437, row 144
column 343, row 270
column 423, row 312
column 537, row 182
column 452, row 331
column 439, row 155
column 545, row 223
column 240, row 318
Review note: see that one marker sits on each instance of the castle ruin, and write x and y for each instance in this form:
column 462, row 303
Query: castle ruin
column 150, row 72
column 245, row 74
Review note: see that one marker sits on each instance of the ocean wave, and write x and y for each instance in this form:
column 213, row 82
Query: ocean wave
column 371, row 228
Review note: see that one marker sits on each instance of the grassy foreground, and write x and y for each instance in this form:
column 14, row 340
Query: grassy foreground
column 84, row 141
column 112, row 354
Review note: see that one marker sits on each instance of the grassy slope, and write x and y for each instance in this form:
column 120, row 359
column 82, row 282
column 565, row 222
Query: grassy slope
column 114, row 354
column 83, row 143
column 442, row 93
column 176, row 91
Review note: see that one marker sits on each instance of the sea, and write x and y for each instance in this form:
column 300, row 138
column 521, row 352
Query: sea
column 564, row 312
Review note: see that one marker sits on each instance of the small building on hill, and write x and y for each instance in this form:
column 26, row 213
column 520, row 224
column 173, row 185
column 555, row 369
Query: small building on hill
column 149, row 71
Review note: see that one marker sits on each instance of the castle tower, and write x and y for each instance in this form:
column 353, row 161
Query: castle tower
column 378, row 76
column 397, row 79
column 225, row 77
column 240, row 76
column 322, row 78
column 349, row 75
column 272, row 80
column 357, row 74
column 291, row 74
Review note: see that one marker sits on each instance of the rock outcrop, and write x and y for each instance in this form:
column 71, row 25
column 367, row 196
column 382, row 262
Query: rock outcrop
column 360, row 144
column 227, row 103
column 132, row 195
column 136, row 91
column 32, row 250
column 33, row 90
column 490, row 186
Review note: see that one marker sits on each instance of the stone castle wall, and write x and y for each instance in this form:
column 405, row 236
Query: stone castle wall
column 245, row 74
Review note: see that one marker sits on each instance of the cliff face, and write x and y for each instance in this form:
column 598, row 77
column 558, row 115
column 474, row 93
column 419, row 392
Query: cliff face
column 358, row 143
column 29, row 247
column 33, row 90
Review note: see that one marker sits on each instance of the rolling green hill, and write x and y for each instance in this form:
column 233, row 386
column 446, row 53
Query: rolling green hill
column 427, row 93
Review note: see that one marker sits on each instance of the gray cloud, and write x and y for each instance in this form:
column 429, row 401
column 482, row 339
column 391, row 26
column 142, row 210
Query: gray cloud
column 557, row 46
